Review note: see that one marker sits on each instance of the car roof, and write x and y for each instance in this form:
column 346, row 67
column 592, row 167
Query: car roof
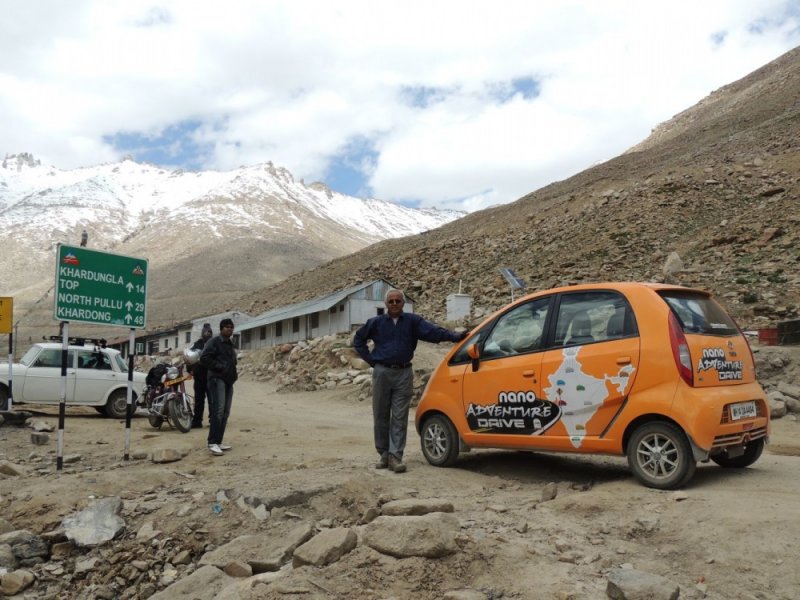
column 59, row 346
column 615, row 285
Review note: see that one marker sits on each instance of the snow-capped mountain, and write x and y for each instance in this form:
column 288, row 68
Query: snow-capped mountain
column 209, row 236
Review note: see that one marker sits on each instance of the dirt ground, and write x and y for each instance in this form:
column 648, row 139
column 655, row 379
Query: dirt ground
column 729, row 534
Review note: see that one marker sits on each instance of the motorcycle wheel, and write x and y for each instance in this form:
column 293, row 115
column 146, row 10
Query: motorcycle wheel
column 155, row 421
column 180, row 413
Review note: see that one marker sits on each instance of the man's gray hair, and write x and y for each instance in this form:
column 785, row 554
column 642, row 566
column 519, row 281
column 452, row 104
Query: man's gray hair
column 386, row 295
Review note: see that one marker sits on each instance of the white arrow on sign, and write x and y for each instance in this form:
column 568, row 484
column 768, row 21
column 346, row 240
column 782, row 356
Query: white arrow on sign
column 128, row 305
column 128, row 318
column 129, row 286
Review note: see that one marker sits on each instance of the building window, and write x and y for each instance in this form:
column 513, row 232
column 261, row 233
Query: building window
column 188, row 337
column 246, row 336
column 315, row 321
column 380, row 310
column 278, row 329
column 295, row 324
column 262, row 333
column 176, row 342
column 333, row 310
column 341, row 308
column 139, row 347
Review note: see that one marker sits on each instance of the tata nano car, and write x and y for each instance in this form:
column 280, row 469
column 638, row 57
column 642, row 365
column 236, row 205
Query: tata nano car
column 659, row 373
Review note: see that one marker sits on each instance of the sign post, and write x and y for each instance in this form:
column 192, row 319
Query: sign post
column 6, row 318
column 105, row 289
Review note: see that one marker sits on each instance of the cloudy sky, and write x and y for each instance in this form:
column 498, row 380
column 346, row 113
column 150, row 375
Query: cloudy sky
column 457, row 104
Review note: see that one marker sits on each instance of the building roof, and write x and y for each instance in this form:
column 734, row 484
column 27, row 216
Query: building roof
column 305, row 308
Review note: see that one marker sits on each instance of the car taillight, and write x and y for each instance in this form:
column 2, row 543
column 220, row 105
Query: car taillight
column 680, row 350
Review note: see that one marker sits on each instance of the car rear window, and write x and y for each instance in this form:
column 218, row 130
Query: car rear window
column 699, row 313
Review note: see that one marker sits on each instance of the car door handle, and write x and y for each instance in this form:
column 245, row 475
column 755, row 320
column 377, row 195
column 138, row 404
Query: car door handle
column 624, row 360
column 530, row 373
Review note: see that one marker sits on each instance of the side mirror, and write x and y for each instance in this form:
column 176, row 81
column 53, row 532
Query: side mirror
column 474, row 353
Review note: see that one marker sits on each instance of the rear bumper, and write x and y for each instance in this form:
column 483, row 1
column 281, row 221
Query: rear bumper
column 705, row 416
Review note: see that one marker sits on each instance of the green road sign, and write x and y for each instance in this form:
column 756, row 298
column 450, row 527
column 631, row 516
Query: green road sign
column 100, row 287
column 6, row 314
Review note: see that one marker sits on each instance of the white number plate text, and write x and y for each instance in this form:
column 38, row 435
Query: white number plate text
column 743, row 410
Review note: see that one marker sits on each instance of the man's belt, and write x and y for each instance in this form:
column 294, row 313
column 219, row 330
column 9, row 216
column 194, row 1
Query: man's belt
column 395, row 365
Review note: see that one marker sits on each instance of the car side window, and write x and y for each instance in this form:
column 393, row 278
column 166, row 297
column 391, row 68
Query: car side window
column 48, row 357
column 587, row 317
column 518, row 331
column 88, row 359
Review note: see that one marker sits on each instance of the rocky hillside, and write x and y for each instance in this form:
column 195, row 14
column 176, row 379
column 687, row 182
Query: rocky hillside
column 718, row 184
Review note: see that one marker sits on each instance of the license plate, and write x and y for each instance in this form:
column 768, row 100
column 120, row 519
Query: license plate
column 743, row 410
column 177, row 380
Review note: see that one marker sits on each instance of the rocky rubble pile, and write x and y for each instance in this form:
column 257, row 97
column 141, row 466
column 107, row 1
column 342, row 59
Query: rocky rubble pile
column 174, row 541
column 328, row 363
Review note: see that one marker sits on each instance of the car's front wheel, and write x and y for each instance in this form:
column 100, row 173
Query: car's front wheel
column 439, row 441
column 660, row 456
column 752, row 452
column 117, row 405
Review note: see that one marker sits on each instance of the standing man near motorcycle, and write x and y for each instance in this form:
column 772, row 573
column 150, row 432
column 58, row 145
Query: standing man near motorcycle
column 200, row 375
column 219, row 357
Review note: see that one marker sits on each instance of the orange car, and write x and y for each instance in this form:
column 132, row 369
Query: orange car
column 659, row 373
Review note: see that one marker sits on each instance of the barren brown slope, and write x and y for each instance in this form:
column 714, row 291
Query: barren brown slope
column 719, row 184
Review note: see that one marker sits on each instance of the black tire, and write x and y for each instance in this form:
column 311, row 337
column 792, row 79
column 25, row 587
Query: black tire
column 117, row 404
column 100, row 409
column 439, row 441
column 155, row 421
column 180, row 413
column 3, row 398
column 660, row 456
column 752, row 452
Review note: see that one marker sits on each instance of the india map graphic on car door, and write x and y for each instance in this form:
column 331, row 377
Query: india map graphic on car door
column 580, row 394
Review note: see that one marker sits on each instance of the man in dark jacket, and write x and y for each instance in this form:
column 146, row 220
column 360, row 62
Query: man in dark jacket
column 395, row 335
column 199, row 372
column 219, row 357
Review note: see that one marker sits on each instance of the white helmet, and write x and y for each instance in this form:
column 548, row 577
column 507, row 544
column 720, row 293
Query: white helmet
column 190, row 356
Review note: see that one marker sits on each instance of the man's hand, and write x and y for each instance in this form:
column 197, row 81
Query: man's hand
column 463, row 335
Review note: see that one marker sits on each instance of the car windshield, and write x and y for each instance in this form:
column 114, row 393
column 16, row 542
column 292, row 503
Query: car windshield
column 28, row 357
column 120, row 363
column 699, row 313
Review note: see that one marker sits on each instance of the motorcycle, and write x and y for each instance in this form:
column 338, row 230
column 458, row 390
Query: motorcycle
column 165, row 398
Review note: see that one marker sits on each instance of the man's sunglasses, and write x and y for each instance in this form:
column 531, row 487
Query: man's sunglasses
column 394, row 302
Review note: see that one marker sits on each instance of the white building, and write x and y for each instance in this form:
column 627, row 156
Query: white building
column 340, row 312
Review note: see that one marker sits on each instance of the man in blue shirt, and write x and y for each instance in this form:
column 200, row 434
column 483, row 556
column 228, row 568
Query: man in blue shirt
column 395, row 335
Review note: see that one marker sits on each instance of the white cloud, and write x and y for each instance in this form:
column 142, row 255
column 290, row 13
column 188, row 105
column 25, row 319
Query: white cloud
column 295, row 81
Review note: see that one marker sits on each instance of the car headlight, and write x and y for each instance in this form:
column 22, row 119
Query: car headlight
column 172, row 372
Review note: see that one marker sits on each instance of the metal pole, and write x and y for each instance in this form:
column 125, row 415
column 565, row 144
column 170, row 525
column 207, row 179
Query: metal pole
column 10, row 362
column 62, row 398
column 129, row 411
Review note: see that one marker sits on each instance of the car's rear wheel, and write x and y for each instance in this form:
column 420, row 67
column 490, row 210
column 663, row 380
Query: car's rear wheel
column 3, row 398
column 439, row 441
column 752, row 452
column 117, row 405
column 660, row 456
column 100, row 409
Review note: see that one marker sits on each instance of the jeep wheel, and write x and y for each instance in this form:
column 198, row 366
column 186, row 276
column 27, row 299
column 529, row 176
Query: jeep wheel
column 117, row 405
column 660, row 456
